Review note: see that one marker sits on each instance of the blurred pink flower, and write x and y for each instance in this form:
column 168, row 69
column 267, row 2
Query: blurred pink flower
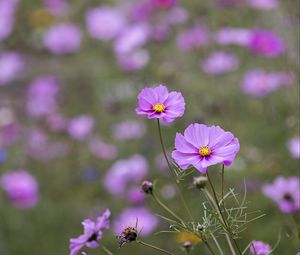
column 62, row 39
column 165, row 4
column 11, row 65
column 129, row 129
column 294, row 146
column 57, row 7
column 7, row 17
column 147, row 222
column 136, row 196
column 266, row 43
column 229, row 35
column 80, row 127
column 259, row 83
column 41, row 96
column 124, row 172
column 193, row 38
column 132, row 38
column 284, row 192
column 40, row 147
column 9, row 128
column 104, row 22
column 220, row 62
column 133, row 61
column 259, row 248
column 101, row 149
column 21, row 188
column 263, row 4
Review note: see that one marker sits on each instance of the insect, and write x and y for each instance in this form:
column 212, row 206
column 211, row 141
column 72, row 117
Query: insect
column 129, row 234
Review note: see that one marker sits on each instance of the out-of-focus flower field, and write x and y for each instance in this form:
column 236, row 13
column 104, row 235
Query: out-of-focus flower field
column 72, row 144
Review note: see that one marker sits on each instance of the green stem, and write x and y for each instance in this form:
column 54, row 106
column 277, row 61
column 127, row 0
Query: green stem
column 108, row 252
column 171, row 170
column 167, row 208
column 209, row 247
column 155, row 247
column 221, row 213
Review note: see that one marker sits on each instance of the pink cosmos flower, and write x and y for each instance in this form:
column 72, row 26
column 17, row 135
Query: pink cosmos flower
column 165, row 4
column 7, row 17
column 284, row 192
column 259, row 248
column 237, row 36
column 203, row 146
column 263, row 4
column 92, row 233
column 266, row 43
column 129, row 129
column 56, row 7
column 42, row 96
column 101, row 149
column 11, row 64
column 104, row 23
column 21, row 188
column 219, row 63
column 193, row 38
column 294, row 147
column 133, row 61
column 259, row 83
column 160, row 104
column 125, row 172
column 147, row 222
column 81, row 126
column 62, row 39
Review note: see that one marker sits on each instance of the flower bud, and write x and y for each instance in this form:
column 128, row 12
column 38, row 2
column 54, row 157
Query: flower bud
column 187, row 246
column 147, row 187
column 200, row 228
column 200, row 182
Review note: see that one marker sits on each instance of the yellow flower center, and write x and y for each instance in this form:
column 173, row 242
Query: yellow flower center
column 204, row 151
column 158, row 108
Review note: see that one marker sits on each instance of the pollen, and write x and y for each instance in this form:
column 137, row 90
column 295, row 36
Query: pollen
column 158, row 108
column 204, row 151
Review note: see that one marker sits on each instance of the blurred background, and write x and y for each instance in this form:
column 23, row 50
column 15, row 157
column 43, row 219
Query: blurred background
column 71, row 144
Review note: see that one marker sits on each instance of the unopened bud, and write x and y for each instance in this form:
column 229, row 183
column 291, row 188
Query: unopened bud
column 200, row 182
column 187, row 246
column 200, row 228
column 147, row 187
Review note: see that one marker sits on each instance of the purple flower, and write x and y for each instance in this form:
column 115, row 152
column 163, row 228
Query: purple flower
column 219, row 63
column 133, row 61
column 104, row 23
column 56, row 7
column 294, row 147
column 193, row 38
column 266, row 43
column 92, row 233
column 21, row 188
column 263, row 4
column 11, row 64
column 237, row 36
column 7, row 17
column 42, row 95
column 284, row 192
column 131, row 39
column 203, row 146
column 81, row 126
column 124, row 172
column 165, row 4
column 101, row 149
column 136, row 196
column 147, row 222
column 259, row 83
column 129, row 129
column 62, row 39
column 259, row 248
column 160, row 104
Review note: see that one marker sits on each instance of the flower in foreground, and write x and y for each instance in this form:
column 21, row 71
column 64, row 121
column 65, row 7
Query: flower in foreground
column 92, row 233
column 160, row 104
column 284, row 192
column 203, row 146
column 21, row 188
column 259, row 248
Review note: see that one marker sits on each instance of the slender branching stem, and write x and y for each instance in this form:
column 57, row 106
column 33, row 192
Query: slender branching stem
column 221, row 214
column 171, row 170
column 107, row 251
column 157, row 200
column 222, row 186
column 217, row 243
column 155, row 247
